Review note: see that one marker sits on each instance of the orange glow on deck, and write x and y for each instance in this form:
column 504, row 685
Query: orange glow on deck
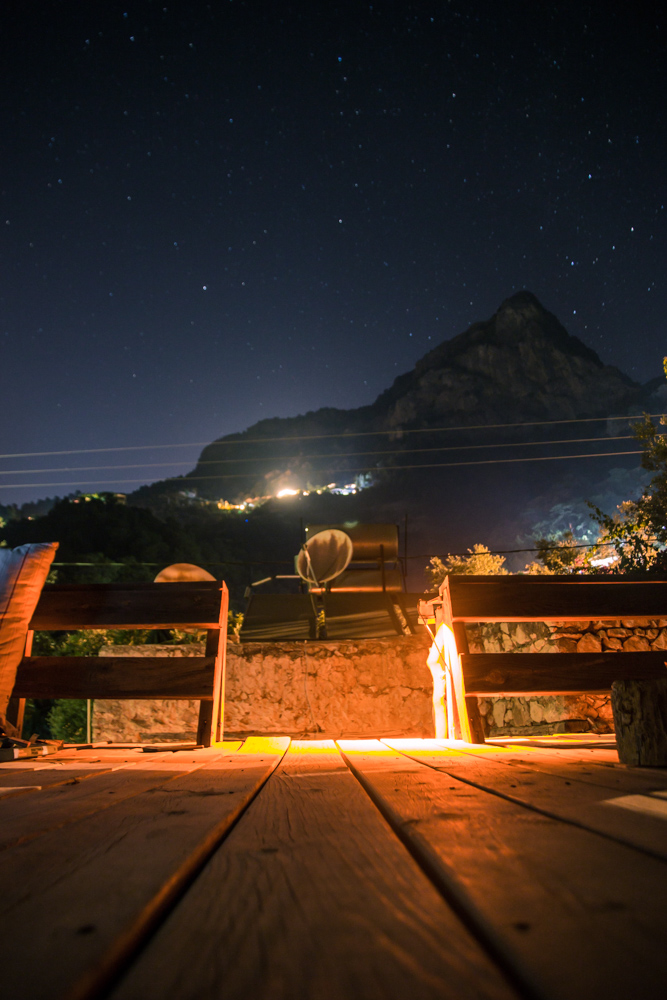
column 365, row 746
column 312, row 747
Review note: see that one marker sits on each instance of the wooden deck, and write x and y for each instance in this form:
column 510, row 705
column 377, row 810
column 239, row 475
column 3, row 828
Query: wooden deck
column 357, row 870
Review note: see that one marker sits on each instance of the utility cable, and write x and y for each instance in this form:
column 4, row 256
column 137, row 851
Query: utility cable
column 372, row 468
column 302, row 458
column 319, row 437
column 285, row 562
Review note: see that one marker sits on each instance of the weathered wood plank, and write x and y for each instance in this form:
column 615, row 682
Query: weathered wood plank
column 100, row 888
column 577, row 915
column 515, row 598
column 571, row 765
column 52, row 776
column 61, row 805
column 128, row 605
column 311, row 897
column 116, row 677
column 555, row 673
column 591, row 807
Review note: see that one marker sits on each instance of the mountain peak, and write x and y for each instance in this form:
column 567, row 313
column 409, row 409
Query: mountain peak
column 524, row 315
column 521, row 364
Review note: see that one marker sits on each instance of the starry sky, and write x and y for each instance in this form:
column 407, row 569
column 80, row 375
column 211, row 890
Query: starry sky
column 213, row 213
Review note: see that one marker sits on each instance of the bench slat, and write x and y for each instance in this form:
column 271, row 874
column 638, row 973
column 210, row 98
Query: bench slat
column 139, row 605
column 515, row 599
column 556, row 673
column 179, row 677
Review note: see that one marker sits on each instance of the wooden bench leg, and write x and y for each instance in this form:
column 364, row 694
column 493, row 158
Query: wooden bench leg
column 210, row 728
column 204, row 723
column 475, row 721
column 640, row 721
column 15, row 713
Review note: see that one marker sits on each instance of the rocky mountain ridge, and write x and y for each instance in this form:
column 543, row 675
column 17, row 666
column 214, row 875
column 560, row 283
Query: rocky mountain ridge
column 519, row 366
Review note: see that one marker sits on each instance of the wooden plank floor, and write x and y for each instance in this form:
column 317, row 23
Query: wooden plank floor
column 349, row 870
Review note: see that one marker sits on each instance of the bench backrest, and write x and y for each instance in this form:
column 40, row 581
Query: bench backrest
column 470, row 599
column 550, row 598
column 199, row 604
column 129, row 605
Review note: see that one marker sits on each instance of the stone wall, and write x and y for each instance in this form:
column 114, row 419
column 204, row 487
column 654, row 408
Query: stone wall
column 372, row 687
column 521, row 716
column 364, row 687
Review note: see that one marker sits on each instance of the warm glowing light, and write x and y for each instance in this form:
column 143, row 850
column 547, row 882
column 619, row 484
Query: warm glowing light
column 413, row 744
column 312, row 747
column 363, row 746
column 287, row 493
column 444, row 663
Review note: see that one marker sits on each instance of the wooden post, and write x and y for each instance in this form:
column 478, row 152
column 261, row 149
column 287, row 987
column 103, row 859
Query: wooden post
column 210, row 728
column 475, row 723
column 640, row 720
column 218, row 726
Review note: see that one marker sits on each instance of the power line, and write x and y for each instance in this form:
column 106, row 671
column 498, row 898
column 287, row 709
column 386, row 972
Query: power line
column 301, row 458
column 286, row 562
column 320, row 437
column 224, row 562
column 507, row 552
column 372, row 468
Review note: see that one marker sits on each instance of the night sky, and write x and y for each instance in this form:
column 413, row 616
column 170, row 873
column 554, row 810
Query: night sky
column 218, row 212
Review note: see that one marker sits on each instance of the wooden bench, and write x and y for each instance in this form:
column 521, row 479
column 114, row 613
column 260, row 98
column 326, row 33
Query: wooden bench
column 477, row 599
column 202, row 604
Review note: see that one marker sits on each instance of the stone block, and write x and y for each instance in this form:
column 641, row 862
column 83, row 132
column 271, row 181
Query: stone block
column 499, row 711
column 589, row 643
column 536, row 711
column 636, row 643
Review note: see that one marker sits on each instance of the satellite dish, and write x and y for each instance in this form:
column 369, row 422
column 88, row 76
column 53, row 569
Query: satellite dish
column 324, row 556
column 182, row 573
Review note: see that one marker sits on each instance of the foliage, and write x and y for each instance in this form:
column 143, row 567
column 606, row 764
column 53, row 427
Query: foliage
column 478, row 562
column 86, row 643
column 631, row 533
column 118, row 542
column 638, row 532
column 67, row 721
column 559, row 553
column 537, row 569
column 35, row 720
column 234, row 624
column 104, row 540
